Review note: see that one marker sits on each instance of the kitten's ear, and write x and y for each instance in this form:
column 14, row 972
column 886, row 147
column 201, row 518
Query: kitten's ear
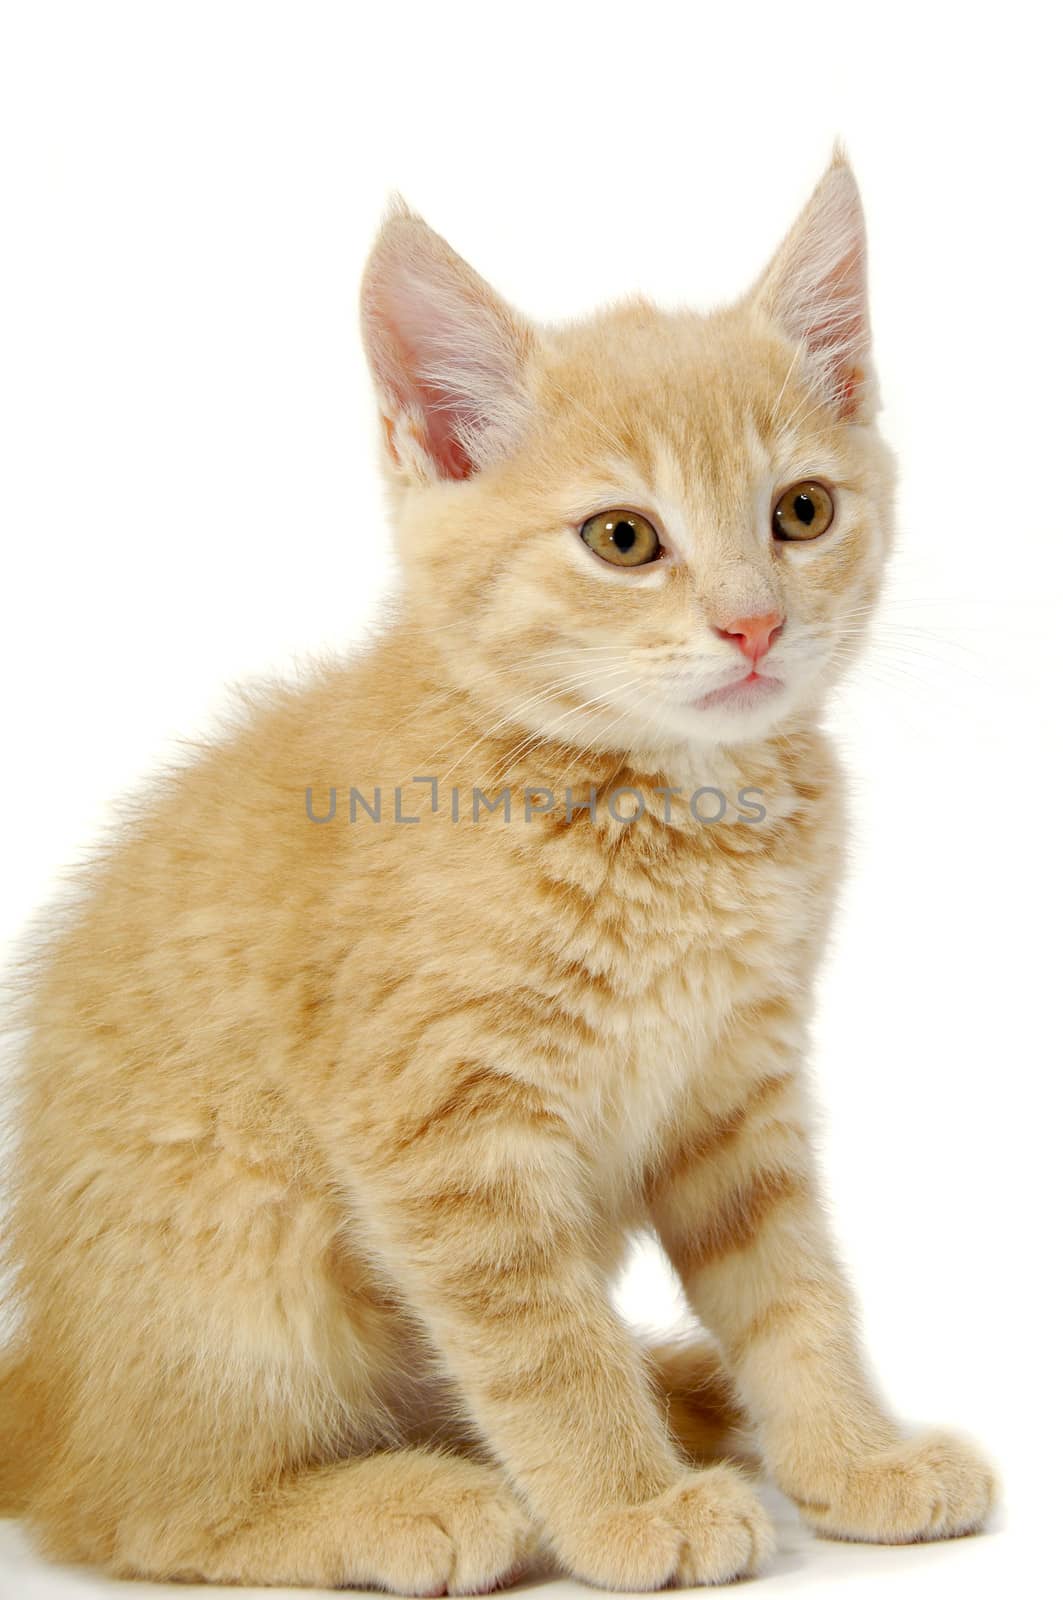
column 447, row 354
column 816, row 289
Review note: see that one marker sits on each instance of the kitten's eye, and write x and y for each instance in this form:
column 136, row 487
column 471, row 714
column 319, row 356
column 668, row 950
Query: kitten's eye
column 622, row 537
column 803, row 511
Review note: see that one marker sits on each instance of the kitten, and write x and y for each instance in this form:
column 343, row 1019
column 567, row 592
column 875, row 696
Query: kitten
column 333, row 1130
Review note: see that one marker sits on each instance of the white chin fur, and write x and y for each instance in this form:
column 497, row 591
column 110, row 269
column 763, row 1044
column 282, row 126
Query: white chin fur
column 728, row 724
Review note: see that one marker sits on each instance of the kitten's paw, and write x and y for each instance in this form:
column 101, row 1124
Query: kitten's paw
column 708, row 1528
column 473, row 1541
column 491, row 1537
column 932, row 1487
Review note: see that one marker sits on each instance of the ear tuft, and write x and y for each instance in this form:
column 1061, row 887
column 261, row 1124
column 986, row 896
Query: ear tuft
column 816, row 289
column 447, row 354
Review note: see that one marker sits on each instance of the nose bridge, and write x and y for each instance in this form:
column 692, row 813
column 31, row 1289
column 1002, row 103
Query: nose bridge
column 738, row 587
column 734, row 575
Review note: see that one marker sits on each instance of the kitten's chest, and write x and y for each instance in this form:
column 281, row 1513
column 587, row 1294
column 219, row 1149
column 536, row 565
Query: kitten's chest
column 680, row 936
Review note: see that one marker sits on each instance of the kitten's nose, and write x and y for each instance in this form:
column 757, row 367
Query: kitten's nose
column 754, row 636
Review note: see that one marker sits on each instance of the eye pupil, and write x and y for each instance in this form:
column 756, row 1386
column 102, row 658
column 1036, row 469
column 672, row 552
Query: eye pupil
column 803, row 511
column 623, row 538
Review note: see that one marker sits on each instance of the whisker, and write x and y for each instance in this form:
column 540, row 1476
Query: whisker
column 542, row 736
column 782, row 391
column 513, row 713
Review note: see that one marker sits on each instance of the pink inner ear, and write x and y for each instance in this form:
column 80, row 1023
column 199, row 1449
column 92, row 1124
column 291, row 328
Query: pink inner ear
column 816, row 287
column 445, row 351
column 442, row 438
column 402, row 316
column 847, row 394
column 839, row 332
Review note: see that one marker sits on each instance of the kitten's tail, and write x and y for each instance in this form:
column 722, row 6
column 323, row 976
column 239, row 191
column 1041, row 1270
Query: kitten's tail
column 18, row 1433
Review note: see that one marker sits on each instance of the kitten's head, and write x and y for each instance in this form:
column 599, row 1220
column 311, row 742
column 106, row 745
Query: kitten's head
column 646, row 529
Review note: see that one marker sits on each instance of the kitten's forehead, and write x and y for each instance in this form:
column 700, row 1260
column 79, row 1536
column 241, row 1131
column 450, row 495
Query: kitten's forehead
column 701, row 381
column 701, row 408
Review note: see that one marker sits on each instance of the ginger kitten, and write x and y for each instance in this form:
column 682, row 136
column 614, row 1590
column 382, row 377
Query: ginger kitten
column 344, row 1089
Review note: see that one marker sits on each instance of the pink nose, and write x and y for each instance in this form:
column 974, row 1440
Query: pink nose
column 754, row 636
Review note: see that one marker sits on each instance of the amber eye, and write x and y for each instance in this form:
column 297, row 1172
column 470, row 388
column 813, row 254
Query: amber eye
column 803, row 511
column 622, row 537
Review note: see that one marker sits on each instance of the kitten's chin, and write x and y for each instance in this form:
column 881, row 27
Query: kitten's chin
column 740, row 714
column 745, row 694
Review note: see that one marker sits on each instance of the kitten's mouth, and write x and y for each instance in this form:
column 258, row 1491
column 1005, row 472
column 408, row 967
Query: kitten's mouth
column 748, row 691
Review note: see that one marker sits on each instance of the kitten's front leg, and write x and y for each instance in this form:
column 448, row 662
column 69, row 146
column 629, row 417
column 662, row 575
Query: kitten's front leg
column 479, row 1207
column 737, row 1211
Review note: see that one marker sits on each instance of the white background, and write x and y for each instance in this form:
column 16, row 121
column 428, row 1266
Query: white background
column 189, row 496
